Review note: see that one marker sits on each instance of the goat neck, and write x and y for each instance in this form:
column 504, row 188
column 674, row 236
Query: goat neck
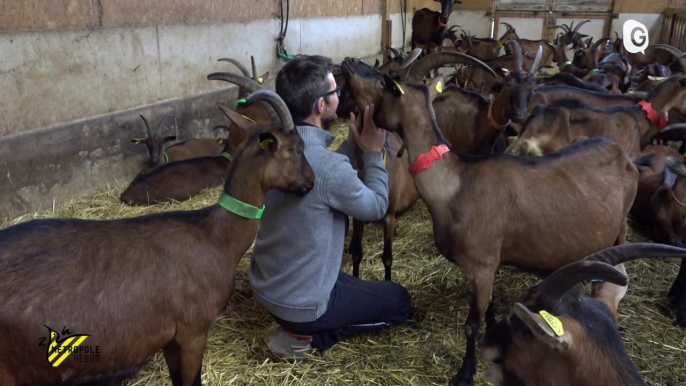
column 407, row 109
column 233, row 233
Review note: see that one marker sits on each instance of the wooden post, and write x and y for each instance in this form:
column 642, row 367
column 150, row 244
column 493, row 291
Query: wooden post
column 386, row 29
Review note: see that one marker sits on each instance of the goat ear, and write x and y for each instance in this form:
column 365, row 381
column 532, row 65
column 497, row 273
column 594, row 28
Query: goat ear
column 556, row 339
column 170, row 138
column 262, row 78
column 268, row 140
column 390, row 85
column 138, row 141
column 436, row 87
column 237, row 119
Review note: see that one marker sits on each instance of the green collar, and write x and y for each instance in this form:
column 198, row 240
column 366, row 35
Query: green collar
column 240, row 208
column 226, row 155
column 565, row 64
column 593, row 71
column 166, row 158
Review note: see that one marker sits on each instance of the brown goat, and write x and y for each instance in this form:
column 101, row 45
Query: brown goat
column 429, row 27
column 137, row 285
column 402, row 195
column 487, row 48
column 558, row 336
column 159, row 155
column 552, row 127
column 182, row 180
column 472, row 123
column 590, row 185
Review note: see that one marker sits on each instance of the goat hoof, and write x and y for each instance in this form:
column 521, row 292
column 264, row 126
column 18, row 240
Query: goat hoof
column 462, row 380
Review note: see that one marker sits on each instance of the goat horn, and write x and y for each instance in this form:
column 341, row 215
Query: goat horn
column 509, row 27
column 437, row 59
column 563, row 26
column 600, row 41
column 517, row 51
column 627, row 252
column 454, row 28
column 147, row 127
column 674, row 51
column 576, row 29
column 254, row 71
column 674, row 132
column 275, row 101
column 236, row 63
column 410, row 58
column 394, row 51
column 242, row 81
column 617, row 35
column 537, row 61
column 554, row 287
column 161, row 124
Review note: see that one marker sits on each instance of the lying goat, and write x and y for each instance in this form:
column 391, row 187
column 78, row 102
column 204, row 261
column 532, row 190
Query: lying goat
column 558, row 336
column 134, row 286
column 575, row 201
column 159, row 155
column 182, row 180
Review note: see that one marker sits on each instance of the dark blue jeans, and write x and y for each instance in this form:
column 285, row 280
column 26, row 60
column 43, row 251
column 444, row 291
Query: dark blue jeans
column 355, row 306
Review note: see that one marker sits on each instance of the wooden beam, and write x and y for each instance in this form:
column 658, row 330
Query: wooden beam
column 386, row 29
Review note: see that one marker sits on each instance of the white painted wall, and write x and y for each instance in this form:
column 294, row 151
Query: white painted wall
column 55, row 77
column 475, row 22
column 652, row 21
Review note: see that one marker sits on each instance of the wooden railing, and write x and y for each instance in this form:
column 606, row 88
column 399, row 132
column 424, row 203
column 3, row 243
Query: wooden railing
column 674, row 28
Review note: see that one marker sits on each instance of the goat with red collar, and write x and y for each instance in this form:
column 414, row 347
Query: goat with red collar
column 575, row 201
column 552, row 127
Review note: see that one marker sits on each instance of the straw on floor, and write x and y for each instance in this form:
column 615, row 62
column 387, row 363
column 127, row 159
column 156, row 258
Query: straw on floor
column 426, row 351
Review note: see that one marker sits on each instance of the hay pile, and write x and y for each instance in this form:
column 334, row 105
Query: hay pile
column 426, row 351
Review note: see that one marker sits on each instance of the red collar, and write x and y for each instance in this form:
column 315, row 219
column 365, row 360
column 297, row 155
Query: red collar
column 492, row 121
column 652, row 114
column 424, row 161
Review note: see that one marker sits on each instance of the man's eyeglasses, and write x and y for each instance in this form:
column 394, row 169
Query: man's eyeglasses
column 336, row 91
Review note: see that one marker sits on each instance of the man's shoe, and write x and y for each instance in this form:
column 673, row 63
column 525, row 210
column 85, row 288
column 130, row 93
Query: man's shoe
column 287, row 345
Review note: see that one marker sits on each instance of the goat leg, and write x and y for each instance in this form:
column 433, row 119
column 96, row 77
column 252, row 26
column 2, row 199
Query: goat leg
column 389, row 222
column 483, row 289
column 355, row 246
column 490, row 316
column 191, row 353
column 171, row 356
column 677, row 295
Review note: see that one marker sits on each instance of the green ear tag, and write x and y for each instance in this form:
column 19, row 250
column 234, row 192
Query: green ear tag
column 266, row 143
column 235, row 106
column 553, row 322
column 399, row 88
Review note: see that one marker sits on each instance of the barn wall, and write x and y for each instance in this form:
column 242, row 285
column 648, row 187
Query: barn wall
column 76, row 74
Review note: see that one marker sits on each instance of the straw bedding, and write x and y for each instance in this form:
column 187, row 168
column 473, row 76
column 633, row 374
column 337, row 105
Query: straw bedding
column 426, row 351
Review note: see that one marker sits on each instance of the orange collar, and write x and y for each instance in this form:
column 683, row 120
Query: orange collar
column 424, row 161
column 492, row 121
column 652, row 114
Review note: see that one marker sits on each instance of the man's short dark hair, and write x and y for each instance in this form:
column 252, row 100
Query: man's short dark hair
column 301, row 81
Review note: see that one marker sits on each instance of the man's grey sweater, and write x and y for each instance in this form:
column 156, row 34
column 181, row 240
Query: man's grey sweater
column 299, row 246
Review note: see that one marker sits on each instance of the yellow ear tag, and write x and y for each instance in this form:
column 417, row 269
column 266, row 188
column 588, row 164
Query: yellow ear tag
column 265, row 143
column 220, row 141
column 439, row 87
column 399, row 88
column 553, row 322
column 260, row 80
column 248, row 118
column 137, row 141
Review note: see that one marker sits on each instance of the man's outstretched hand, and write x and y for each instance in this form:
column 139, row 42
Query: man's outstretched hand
column 371, row 138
